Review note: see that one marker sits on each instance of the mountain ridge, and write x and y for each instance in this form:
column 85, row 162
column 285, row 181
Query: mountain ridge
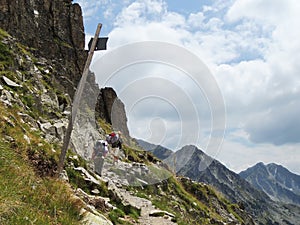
column 194, row 163
column 157, row 150
column 275, row 180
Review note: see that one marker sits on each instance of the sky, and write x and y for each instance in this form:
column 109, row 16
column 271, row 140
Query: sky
column 224, row 75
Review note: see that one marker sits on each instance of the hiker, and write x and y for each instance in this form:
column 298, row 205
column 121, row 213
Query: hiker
column 114, row 139
column 100, row 151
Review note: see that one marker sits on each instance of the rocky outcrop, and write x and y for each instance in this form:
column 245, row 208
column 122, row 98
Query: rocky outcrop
column 52, row 29
column 110, row 108
column 54, row 33
column 25, row 84
column 55, row 58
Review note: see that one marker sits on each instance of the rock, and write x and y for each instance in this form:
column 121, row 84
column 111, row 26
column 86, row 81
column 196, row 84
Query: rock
column 29, row 120
column 143, row 183
column 60, row 128
column 87, row 175
column 50, row 101
column 6, row 102
column 8, row 121
column 10, row 82
column 84, row 135
column 161, row 213
column 50, row 138
column 54, row 131
column 64, row 176
column 95, row 191
column 27, row 139
column 9, row 138
column 7, row 96
column 48, row 128
column 94, row 218
column 98, row 202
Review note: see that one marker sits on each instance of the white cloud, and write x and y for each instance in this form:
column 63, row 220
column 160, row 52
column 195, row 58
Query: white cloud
column 272, row 11
column 139, row 12
column 196, row 20
column 173, row 20
column 91, row 7
column 152, row 31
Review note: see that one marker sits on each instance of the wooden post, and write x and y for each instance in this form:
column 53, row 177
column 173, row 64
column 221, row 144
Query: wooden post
column 76, row 102
column 174, row 161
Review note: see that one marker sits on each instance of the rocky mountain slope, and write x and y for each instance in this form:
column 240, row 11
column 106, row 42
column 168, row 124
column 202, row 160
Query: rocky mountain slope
column 276, row 181
column 238, row 190
column 39, row 72
column 157, row 150
column 192, row 162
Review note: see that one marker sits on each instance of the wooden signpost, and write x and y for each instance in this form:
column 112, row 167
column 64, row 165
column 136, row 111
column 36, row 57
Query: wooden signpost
column 94, row 46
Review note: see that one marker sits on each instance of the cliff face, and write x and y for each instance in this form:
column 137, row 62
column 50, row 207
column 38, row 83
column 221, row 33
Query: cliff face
column 52, row 29
column 110, row 108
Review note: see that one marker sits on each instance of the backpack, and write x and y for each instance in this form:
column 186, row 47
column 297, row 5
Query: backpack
column 100, row 148
column 112, row 138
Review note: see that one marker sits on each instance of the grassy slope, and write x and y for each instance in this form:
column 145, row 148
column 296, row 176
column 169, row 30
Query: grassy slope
column 25, row 196
column 28, row 192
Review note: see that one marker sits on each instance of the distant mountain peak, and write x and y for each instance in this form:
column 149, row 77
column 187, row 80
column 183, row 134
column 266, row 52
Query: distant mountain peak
column 275, row 180
column 260, row 164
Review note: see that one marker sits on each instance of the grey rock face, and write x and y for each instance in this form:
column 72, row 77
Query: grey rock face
column 52, row 29
column 110, row 108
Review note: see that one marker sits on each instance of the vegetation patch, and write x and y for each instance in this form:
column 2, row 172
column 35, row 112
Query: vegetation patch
column 28, row 192
column 6, row 57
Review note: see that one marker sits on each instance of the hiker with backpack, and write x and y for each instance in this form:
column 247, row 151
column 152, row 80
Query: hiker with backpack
column 99, row 153
column 114, row 139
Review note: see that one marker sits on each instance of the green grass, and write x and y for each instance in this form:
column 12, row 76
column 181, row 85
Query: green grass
column 6, row 58
column 29, row 195
column 117, row 216
column 3, row 33
column 104, row 125
column 27, row 198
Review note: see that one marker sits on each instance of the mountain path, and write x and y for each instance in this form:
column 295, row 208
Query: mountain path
column 149, row 215
column 147, row 208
